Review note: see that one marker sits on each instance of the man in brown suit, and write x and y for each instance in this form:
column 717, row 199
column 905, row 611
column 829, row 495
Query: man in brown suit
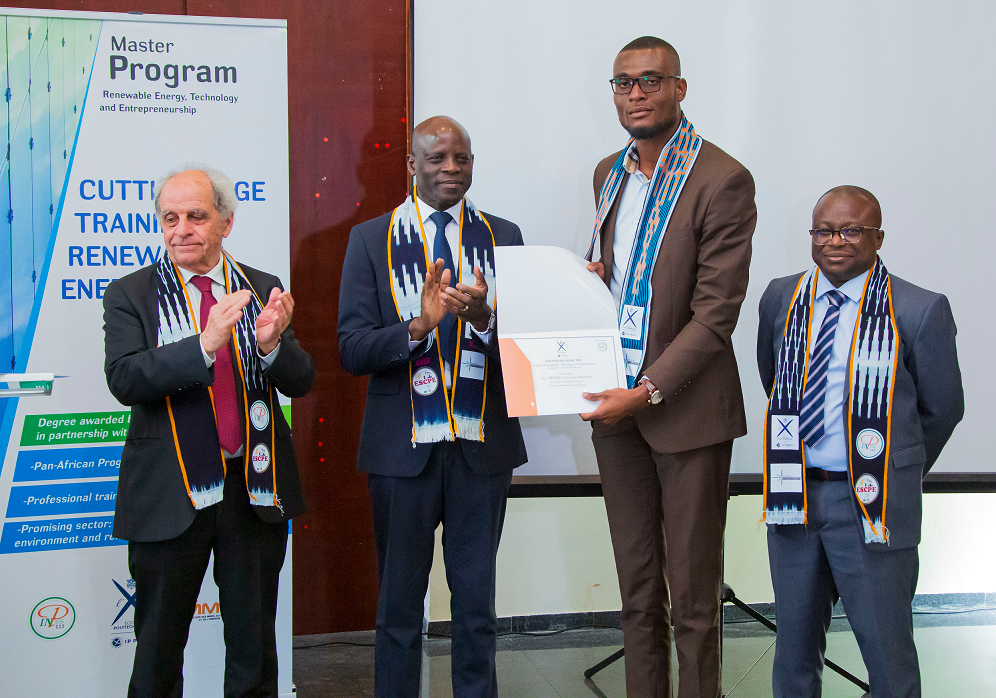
column 664, row 445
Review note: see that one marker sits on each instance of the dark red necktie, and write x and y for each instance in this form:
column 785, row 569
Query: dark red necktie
column 226, row 404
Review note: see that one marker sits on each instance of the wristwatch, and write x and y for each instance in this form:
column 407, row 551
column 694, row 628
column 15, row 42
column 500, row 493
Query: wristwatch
column 655, row 396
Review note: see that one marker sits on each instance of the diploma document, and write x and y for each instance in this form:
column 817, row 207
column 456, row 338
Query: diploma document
column 558, row 331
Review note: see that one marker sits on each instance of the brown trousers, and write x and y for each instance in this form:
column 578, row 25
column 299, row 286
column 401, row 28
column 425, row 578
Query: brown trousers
column 667, row 515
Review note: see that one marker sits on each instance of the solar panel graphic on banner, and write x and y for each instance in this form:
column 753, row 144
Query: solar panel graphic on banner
column 46, row 70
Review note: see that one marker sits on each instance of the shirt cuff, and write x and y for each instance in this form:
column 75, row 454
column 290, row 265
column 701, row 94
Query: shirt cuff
column 419, row 347
column 268, row 360
column 208, row 357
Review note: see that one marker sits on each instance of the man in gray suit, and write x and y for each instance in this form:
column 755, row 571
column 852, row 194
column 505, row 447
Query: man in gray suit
column 849, row 329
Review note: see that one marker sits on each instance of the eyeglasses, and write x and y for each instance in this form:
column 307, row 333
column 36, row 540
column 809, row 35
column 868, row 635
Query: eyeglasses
column 823, row 236
column 648, row 83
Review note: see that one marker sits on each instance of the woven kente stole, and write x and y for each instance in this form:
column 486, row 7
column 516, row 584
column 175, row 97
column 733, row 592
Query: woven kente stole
column 439, row 414
column 666, row 183
column 191, row 411
column 871, row 380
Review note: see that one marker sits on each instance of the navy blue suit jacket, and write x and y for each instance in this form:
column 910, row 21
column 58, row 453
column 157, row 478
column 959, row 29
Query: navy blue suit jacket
column 372, row 340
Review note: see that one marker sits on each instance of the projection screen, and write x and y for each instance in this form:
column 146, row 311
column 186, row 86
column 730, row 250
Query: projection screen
column 893, row 96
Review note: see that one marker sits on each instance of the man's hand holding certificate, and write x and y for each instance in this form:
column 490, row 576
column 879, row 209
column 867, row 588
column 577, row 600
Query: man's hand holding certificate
column 561, row 356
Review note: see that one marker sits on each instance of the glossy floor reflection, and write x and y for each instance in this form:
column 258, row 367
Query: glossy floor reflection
column 957, row 658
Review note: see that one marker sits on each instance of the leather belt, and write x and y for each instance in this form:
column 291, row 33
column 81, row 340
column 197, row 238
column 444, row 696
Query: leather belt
column 825, row 475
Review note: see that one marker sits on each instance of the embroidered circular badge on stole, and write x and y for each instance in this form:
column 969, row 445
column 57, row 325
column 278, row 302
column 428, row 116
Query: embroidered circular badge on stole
column 869, row 443
column 866, row 488
column 260, row 458
column 425, row 381
column 259, row 415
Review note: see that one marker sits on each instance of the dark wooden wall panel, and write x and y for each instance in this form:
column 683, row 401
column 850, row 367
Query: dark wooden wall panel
column 347, row 85
column 347, row 95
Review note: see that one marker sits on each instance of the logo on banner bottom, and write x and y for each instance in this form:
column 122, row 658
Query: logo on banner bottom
column 52, row 618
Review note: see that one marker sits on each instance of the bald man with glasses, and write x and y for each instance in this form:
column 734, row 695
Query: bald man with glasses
column 862, row 372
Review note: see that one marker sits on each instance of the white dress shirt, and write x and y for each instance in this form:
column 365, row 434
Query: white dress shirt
column 453, row 238
column 217, row 276
column 632, row 202
column 831, row 451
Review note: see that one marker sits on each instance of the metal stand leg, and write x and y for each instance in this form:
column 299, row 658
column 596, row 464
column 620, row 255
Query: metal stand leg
column 588, row 673
column 729, row 596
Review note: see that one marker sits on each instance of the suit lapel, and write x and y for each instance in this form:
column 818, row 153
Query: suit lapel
column 608, row 232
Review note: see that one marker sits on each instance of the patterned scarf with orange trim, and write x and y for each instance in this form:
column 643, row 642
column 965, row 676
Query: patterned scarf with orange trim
column 871, row 380
column 666, row 183
column 191, row 412
column 439, row 414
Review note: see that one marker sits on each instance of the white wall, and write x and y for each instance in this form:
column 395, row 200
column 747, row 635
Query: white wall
column 892, row 95
column 555, row 554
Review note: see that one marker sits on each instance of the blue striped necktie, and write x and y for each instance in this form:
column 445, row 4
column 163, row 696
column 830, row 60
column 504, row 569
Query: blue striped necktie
column 811, row 416
column 441, row 250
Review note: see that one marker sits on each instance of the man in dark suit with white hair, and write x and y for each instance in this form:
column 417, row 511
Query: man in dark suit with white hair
column 197, row 345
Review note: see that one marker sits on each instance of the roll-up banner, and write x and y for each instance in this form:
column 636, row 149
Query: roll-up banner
column 97, row 106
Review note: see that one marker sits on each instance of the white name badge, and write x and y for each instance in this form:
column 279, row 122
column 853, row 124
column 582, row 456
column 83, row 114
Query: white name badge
column 631, row 322
column 472, row 365
column 784, row 432
column 786, row 477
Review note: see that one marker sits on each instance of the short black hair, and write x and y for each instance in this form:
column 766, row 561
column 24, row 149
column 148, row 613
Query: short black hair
column 652, row 42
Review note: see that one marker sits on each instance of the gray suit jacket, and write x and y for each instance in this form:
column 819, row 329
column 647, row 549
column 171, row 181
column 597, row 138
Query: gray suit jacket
column 928, row 400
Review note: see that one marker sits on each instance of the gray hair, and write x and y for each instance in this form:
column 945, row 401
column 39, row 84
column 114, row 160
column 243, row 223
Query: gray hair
column 221, row 187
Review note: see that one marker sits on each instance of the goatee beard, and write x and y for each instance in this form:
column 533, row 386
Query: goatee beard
column 642, row 133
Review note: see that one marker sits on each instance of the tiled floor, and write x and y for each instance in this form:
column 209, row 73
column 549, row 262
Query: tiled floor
column 957, row 659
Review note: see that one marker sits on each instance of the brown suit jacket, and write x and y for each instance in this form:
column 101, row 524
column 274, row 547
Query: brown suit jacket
column 699, row 281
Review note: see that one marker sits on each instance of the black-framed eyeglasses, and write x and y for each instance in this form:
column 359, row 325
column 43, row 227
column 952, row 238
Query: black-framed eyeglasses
column 852, row 234
column 648, row 83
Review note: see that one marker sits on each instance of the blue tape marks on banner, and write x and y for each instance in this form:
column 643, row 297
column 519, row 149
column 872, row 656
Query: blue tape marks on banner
column 67, row 463
column 68, row 498
column 57, row 534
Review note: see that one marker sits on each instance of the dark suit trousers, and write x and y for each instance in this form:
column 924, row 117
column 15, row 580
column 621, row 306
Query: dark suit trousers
column 248, row 555
column 807, row 564
column 667, row 517
column 406, row 512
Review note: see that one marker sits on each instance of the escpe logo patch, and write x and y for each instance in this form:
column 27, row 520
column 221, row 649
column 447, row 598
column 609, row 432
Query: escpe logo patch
column 260, row 458
column 869, row 443
column 259, row 415
column 866, row 488
column 425, row 381
column 52, row 618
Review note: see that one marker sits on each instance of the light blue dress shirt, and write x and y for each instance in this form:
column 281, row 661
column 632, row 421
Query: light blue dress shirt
column 831, row 451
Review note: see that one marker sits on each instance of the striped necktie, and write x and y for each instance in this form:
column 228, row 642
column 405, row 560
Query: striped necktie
column 441, row 250
column 811, row 416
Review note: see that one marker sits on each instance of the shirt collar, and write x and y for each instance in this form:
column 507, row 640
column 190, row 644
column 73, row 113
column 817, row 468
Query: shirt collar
column 631, row 163
column 216, row 275
column 426, row 210
column 852, row 289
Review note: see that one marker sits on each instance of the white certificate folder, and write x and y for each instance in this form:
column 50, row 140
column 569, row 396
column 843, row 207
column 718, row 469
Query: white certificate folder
column 558, row 331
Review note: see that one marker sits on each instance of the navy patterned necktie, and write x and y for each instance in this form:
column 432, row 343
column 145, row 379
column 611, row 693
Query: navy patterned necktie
column 811, row 416
column 441, row 250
